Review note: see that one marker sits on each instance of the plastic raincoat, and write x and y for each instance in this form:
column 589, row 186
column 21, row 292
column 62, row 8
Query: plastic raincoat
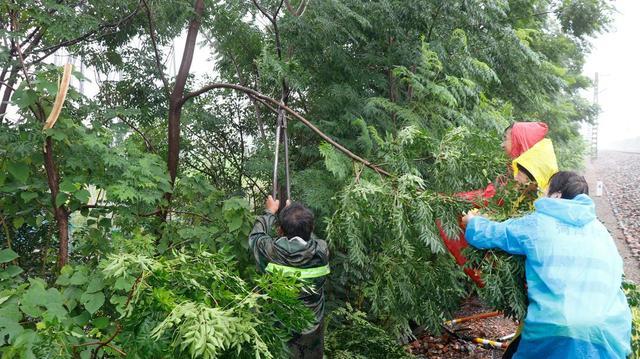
column 525, row 135
column 540, row 161
column 576, row 305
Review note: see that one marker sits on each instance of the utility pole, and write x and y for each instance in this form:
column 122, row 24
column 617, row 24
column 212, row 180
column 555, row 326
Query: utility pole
column 594, row 126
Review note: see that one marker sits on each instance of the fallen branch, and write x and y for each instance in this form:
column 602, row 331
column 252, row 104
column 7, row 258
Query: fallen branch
column 260, row 96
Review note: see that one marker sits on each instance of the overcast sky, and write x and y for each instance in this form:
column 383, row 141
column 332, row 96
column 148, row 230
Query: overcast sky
column 615, row 56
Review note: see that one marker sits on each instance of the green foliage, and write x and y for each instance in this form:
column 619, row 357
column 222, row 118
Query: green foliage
column 188, row 304
column 391, row 257
column 352, row 336
column 633, row 298
column 423, row 88
column 571, row 155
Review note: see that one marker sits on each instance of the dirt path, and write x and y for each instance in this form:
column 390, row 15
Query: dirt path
column 619, row 206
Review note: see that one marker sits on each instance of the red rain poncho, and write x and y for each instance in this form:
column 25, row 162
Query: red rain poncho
column 526, row 134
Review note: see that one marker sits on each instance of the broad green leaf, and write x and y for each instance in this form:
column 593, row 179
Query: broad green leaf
column 92, row 301
column 18, row 222
column 95, row 284
column 7, row 255
column 28, row 196
column 67, row 186
column 235, row 223
column 83, row 195
column 13, row 271
column 71, row 297
column 61, row 198
column 105, row 222
column 82, row 319
column 34, row 299
column 24, row 97
column 54, row 305
column 65, row 275
column 19, row 170
column 101, row 322
column 57, row 134
column 9, row 311
column 9, row 328
column 78, row 278
column 66, row 270
column 124, row 282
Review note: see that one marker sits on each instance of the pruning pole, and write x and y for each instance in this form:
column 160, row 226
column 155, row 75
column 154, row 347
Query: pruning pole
column 507, row 337
column 275, row 161
column 281, row 135
column 472, row 317
column 285, row 139
column 492, row 343
column 498, row 344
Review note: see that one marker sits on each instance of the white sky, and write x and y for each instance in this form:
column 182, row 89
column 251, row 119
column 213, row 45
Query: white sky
column 615, row 56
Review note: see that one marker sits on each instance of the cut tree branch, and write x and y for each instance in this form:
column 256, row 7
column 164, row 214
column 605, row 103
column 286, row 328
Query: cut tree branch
column 293, row 113
column 61, row 214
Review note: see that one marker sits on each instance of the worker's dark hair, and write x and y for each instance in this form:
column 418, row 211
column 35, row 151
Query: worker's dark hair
column 569, row 184
column 508, row 128
column 526, row 171
column 296, row 220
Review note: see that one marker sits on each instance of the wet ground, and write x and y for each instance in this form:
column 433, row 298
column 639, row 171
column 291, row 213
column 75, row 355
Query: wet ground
column 450, row 346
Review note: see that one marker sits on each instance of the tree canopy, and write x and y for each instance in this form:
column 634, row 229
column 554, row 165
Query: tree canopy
column 124, row 226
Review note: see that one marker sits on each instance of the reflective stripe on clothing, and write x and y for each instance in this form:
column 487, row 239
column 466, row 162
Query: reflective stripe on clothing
column 305, row 273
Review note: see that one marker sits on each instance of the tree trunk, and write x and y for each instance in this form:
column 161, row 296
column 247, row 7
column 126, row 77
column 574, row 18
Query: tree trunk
column 11, row 80
column 175, row 100
column 60, row 213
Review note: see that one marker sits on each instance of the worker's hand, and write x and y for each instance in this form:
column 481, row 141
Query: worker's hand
column 467, row 217
column 272, row 205
column 288, row 203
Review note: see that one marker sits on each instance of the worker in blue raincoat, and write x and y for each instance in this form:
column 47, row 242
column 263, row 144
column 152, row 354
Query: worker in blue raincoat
column 577, row 308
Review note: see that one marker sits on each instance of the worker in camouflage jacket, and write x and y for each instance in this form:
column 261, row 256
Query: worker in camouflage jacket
column 295, row 250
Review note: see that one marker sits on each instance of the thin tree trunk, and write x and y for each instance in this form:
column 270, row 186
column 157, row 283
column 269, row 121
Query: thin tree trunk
column 7, row 93
column 176, row 97
column 60, row 212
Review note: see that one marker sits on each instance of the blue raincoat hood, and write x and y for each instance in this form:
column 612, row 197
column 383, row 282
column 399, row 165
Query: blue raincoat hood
column 577, row 212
